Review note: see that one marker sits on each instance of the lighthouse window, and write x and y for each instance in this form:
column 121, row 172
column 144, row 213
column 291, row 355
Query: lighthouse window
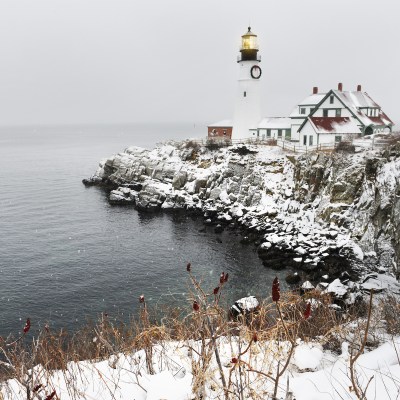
column 244, row 94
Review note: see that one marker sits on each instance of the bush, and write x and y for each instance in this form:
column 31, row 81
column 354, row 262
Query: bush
column 391, row 311
column 345, row 147
column 216, row 144
column 192, row 144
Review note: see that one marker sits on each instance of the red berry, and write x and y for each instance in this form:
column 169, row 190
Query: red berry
column 216, row 290
column 307, row 312
column 234, row 360
column 141, row 299
column 196, row 306
column 27, row 326
column 50, row 396
column 188, row 266
column 37, row 387
column 276, row 291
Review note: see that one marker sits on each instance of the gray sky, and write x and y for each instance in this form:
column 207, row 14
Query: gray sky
column 122, row 61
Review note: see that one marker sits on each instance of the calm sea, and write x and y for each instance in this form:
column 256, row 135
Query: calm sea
column 67, row 255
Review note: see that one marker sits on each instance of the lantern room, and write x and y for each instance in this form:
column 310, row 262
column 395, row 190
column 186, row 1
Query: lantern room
column 249, row 47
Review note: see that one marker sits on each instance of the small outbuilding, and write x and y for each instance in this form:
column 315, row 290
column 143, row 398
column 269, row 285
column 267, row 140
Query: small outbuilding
column 220, row 130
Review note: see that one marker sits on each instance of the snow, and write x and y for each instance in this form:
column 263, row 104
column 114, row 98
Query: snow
column 337, row 288
column 307, row 285
column 374, row 284
column 249, row 303
column 275, row 123
column 226, row 123
column 167, row 387
column 307, row 356
column 313, row 373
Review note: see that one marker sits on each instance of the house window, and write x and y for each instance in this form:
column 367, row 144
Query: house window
column 287, row 134
column 338, row 139
column 325, row 112
column 310, row 140
column 244, row 94
column 338, row 112
column 268, row 132
column 302, row 110
column 280, row 133
column 224, row 132
column 331, row 99
column 305, row 140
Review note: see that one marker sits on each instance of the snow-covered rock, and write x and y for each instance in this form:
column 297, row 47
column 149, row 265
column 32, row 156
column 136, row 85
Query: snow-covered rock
column 307, row 356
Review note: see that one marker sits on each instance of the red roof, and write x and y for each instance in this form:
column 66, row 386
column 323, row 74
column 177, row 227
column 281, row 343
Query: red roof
column 326, row 123
column 382, row 119
column 334, row 125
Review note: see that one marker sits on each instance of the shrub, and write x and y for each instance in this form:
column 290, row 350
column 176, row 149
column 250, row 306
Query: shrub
column 192, row 144
column 216, row 144
column 345, row 147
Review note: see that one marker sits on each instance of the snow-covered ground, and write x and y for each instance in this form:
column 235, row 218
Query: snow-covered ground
column 313, row 374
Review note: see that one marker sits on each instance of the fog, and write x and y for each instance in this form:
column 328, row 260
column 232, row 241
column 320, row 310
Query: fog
column 127, row 61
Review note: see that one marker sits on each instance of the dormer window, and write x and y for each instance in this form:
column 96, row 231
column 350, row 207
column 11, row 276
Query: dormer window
column 325, row 112
column 302, row 111
column 338, row 112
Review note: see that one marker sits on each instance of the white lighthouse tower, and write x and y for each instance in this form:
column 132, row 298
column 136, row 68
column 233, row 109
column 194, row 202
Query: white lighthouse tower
column 248, row 100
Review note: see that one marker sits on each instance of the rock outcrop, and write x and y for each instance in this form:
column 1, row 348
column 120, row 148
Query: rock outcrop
column 324, row 214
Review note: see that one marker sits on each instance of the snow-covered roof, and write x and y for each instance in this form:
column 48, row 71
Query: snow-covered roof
column 341, row 125
column 275, row 123
column 358, row 100
column 226, row 123
column 312, row 100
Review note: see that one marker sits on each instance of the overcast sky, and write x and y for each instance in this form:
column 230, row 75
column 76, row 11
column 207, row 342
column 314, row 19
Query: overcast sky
column 123, row 61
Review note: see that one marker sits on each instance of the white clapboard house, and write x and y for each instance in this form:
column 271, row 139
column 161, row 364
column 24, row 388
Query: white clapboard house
column 324, row 119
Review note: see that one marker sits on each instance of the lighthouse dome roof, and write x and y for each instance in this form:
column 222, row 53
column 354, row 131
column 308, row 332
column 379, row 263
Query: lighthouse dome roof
column 249, row 32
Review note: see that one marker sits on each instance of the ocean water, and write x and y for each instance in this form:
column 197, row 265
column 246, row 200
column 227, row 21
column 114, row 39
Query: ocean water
column 66, row 255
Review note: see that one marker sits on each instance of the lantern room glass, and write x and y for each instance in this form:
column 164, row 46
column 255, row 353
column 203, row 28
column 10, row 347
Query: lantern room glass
column 249, row 42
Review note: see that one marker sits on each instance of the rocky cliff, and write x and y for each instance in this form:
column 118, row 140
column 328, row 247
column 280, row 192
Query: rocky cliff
column 360, row 192
column 316, row 212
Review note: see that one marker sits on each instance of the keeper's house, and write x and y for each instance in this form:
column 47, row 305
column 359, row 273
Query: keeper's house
column 326, row 119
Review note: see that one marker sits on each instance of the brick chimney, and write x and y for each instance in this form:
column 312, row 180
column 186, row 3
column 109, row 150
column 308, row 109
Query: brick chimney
column 340, row 86
column 358, row 88
column 315, row 90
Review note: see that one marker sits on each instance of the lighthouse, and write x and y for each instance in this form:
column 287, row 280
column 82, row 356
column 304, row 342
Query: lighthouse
column 248, row 99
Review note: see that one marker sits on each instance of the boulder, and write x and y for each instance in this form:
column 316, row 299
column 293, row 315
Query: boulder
column 179, row 180
column 244, row 306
